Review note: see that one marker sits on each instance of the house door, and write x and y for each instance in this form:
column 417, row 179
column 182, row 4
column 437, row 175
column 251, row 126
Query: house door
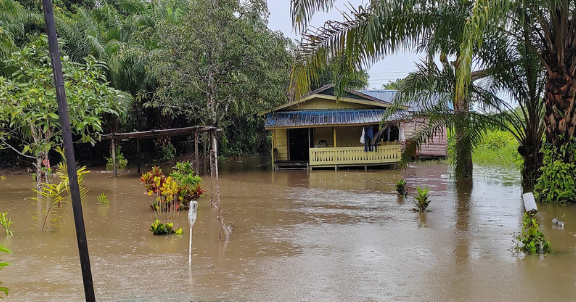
column 299, row 148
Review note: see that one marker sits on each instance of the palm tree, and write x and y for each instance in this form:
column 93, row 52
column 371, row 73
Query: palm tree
column 549, row 29
column 509, row 68
column 383, row 27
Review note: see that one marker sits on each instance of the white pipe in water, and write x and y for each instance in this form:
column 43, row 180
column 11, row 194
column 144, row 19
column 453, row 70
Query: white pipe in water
column 192, row 213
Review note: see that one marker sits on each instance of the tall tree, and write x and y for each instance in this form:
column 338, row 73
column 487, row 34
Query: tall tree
column 28, row 112
column 221, row 59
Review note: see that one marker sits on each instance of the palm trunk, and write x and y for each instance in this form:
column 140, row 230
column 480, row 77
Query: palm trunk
column 560, row 116
column 464, row 165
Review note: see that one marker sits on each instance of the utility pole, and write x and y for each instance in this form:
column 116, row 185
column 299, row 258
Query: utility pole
column 68, row 150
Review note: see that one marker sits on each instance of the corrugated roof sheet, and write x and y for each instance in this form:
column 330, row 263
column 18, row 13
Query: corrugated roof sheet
column 323, row 117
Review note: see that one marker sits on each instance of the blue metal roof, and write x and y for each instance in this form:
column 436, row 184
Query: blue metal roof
column 323, row 117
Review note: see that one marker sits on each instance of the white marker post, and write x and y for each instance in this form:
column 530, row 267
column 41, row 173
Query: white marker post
column 192, row 213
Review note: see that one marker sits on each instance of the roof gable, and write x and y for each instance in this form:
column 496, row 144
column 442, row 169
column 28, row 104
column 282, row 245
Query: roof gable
column 327, row 93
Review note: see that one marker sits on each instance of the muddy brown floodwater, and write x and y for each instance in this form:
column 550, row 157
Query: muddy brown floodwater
column 323, row 236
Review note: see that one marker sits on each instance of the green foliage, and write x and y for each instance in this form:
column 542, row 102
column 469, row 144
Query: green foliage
column 531, row 240
column 184, row 174
column 401, row 188
column 28, row 112
column 393, row 85
column 166, row 151
column 158, row 228
column 240, row 65
column 2, row 265
column 62, row 174
column 121, row 162
column 496, row 149
column 421, row 199
column 102, row 199
column 557, row 183
column 5, row 221
column 52, row 196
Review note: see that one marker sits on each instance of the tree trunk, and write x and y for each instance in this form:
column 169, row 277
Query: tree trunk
column 39, row 198
column 560, row 117
column 464, row 165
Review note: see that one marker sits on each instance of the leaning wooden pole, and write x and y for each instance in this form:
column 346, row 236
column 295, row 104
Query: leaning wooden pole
column 69, row 151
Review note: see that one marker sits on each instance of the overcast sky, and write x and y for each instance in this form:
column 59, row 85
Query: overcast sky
column 388, row 69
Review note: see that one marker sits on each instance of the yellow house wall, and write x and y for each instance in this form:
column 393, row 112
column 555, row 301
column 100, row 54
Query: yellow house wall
column 348, row 136
column 318, row 103
column 324, row 133
column 281, row 144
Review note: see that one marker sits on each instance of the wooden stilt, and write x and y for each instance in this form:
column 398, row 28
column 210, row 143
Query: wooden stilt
column 196, row 155
column 113, row 146
column 138, row 152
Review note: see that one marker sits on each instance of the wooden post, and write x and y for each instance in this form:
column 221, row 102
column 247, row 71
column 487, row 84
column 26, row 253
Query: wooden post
column 334, row 133
column 138, row 151
column 215, row 148
column 113, row 146
column 196, row 155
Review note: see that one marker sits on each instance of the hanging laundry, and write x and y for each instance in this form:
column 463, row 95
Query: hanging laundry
column 401, row 134
column 368, row 137
column 362, row 137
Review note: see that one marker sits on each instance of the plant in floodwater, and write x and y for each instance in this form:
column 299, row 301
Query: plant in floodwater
column 6, row 222
column 531, row 240
column 188, row 182
column 102, row 199
column 168, row 197
column 557, row 183
column 422, row 200
column 121, row 162
column 2, row 265
column 158, row 228
column 52, row 197
column 62, row 173
column 401, row 188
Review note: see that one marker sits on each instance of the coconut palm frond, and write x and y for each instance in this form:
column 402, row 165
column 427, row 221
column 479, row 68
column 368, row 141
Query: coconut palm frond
column 303, row 10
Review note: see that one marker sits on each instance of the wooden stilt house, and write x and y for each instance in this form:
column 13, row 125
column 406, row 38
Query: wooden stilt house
column 319, row 130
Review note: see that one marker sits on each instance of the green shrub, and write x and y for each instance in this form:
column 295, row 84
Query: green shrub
column 496, row 149
column 166, row 152
column 557, row 182
column 531, row 240
column 401, row 188
column 422, row 200
column 121, row 162
column 158, row 228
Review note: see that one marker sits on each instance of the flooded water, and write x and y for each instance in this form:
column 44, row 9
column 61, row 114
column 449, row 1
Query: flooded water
column 323, row 236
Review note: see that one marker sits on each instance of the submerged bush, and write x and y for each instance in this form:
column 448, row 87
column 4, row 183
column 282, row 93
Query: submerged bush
column 401, row 188
column 557, row 182
column 531, row 240
column 121, row 162
column 422, row 200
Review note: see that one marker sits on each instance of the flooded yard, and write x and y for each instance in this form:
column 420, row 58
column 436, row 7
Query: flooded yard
column 323, row 236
